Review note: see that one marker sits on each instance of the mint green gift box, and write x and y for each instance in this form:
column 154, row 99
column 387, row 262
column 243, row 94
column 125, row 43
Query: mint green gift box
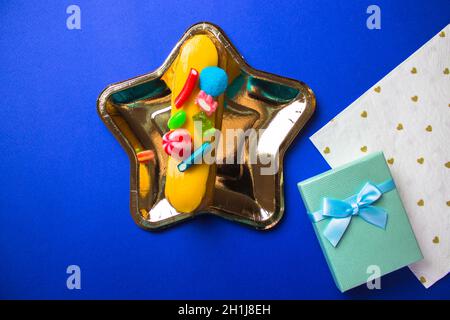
column 362, row 245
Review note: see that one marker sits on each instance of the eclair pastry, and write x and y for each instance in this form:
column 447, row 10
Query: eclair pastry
column 197, row 85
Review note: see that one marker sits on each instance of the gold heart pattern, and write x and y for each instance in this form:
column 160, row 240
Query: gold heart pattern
column 446, row 71
column 429, row 128
column 364, row 149
column 400, row 126
column 436, row 239
column 421, row 160
column 390, row 161
column 377, row 89
column 414, row 70
column 421, row 203
column 326, row 150
column 415, row 98
column 364, row 114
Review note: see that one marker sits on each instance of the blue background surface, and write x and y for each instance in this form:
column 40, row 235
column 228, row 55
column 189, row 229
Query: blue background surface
column 64, row 193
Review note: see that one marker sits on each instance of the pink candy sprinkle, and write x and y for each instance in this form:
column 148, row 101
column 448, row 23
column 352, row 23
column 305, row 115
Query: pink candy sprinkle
column 206, row 103
column 178, row 143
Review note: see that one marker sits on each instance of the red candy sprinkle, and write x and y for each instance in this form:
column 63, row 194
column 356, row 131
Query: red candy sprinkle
column 189, row 85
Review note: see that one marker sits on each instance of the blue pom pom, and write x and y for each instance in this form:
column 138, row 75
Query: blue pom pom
column 213, row 80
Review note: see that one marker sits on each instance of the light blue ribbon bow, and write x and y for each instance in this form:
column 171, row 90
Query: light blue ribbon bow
column 340, row 212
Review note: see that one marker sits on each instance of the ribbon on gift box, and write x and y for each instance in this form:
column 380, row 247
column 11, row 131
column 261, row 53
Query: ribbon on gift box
column 340, row 212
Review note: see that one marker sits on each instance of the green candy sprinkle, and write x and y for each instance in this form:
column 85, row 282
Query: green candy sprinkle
column 177, row 120
column 206, row 123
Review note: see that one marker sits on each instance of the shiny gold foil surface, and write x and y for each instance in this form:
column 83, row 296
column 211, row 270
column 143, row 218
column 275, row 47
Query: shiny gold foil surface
column 136, row 111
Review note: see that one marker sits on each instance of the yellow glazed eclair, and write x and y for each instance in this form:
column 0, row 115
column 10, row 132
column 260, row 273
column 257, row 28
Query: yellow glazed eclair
column 197, row 85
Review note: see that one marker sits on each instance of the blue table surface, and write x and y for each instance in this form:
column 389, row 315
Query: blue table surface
column 64, row 194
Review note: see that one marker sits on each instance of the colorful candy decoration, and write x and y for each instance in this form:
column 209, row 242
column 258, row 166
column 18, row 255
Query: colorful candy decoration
column 213, row 80
column 194, row 157
column 177, row 120
column 206, row 123
column 206, row 102
column 177, row 143
column 145, row 156
column 189, row 85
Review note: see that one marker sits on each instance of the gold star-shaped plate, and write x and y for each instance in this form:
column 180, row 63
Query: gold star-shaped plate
column 136, row 111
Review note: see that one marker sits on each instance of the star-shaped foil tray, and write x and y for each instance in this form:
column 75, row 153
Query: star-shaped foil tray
column 136, row 112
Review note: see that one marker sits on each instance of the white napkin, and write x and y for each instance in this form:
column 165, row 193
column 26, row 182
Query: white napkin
column 407, row 116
